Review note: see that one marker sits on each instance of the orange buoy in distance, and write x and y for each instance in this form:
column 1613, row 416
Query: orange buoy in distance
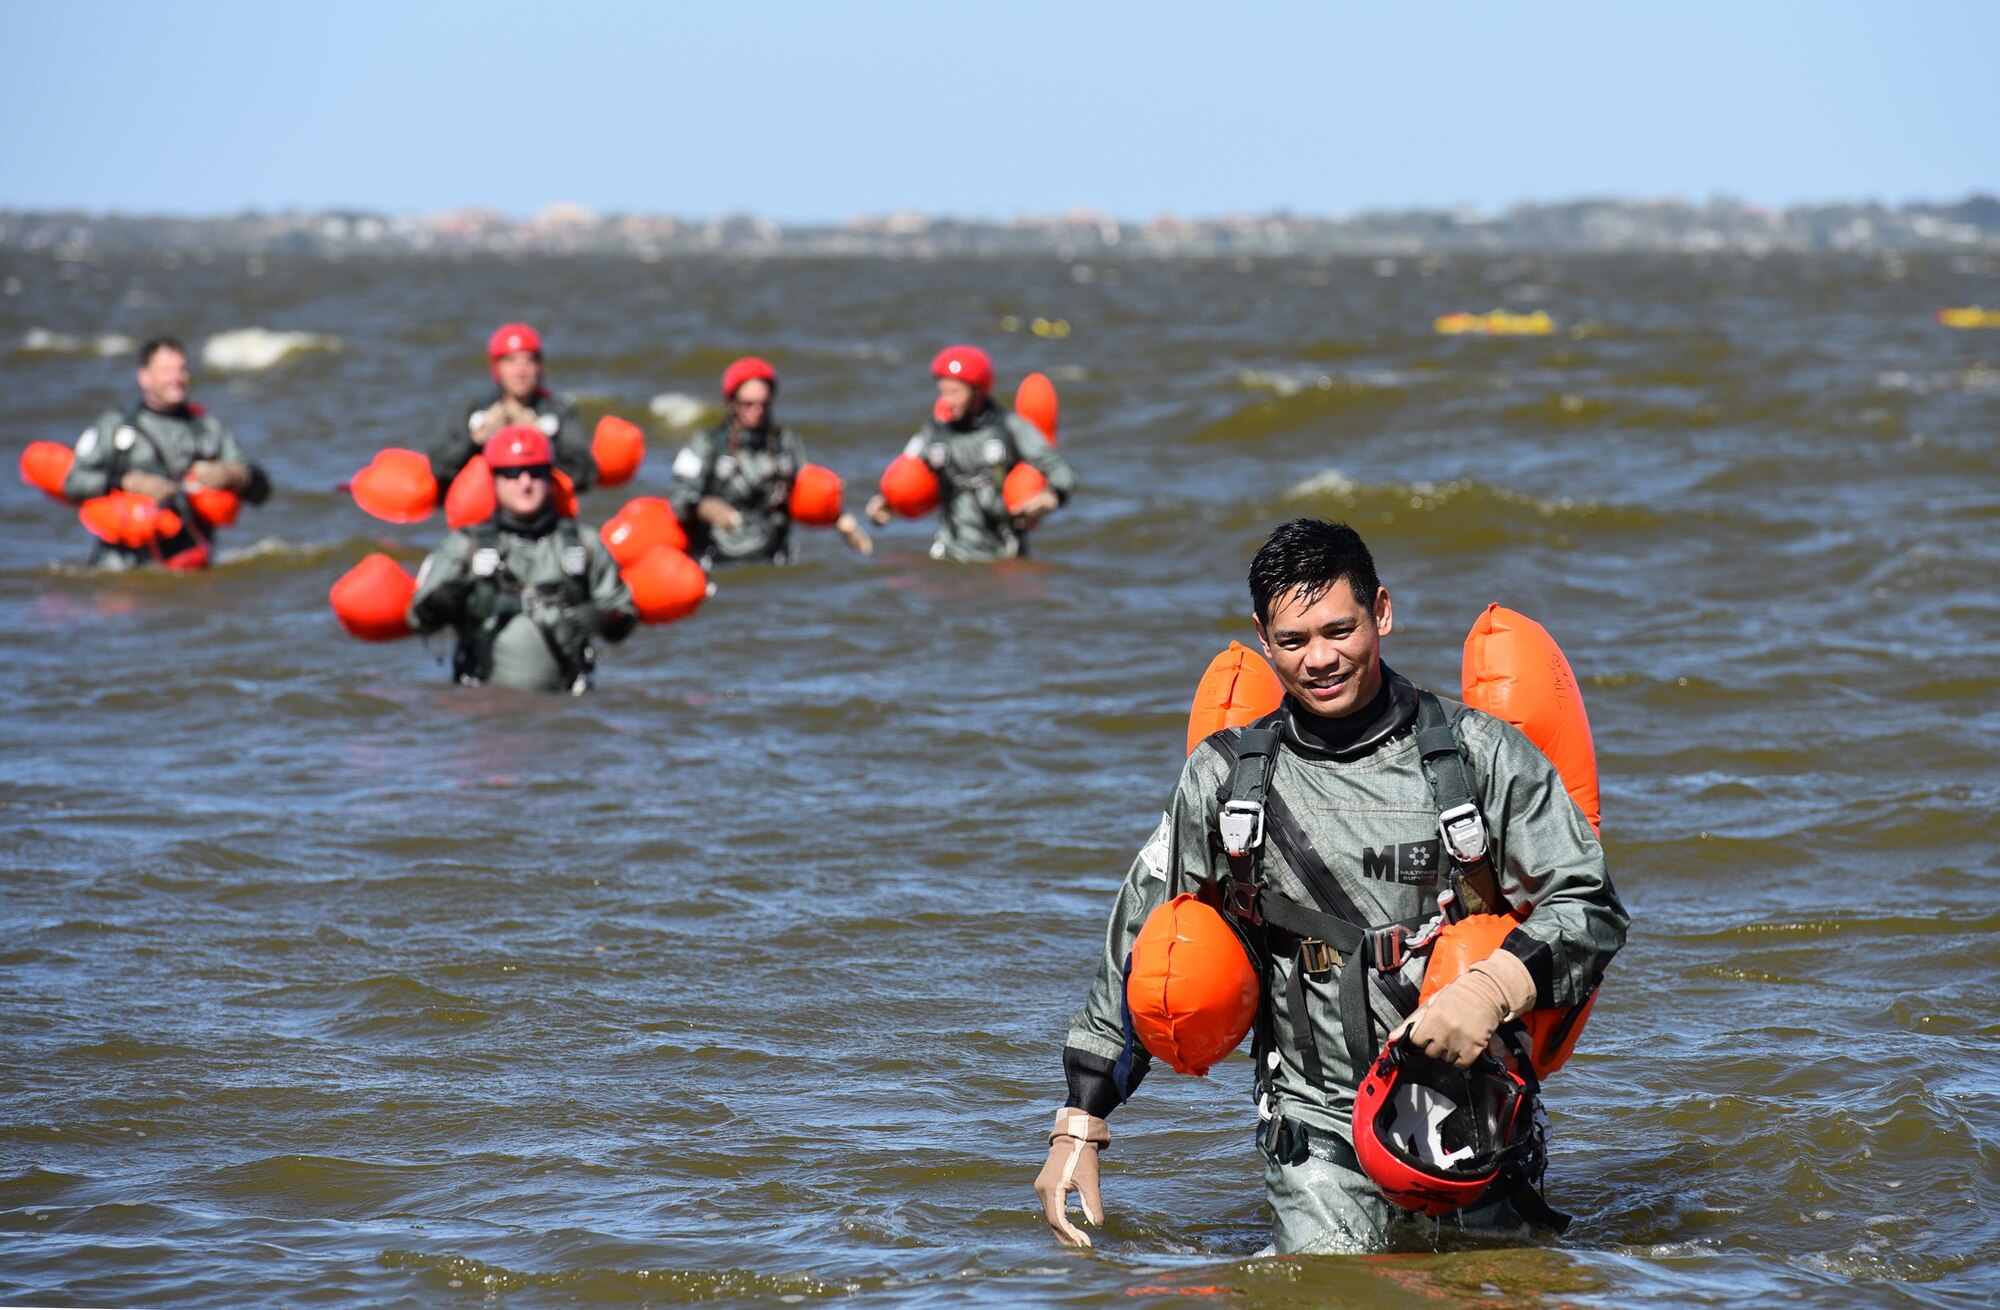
column 1552, row 1033
column 666, row 585
column 910, row 487
column 396, row 487
column 1036, row 402
column 470, row 499
column 619, row 447
column 372, row 599
column 644, row 522
column 816, row 496
column 45, row 466
column 125, row 518
column 1024, row 483
column 1513, row 670
column 1192, row 991
column 1238, row 688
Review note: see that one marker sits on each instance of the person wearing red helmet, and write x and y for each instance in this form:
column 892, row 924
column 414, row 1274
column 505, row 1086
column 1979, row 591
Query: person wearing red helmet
column 1332, row 834
column 528, row 593
column 733, row 483
column 971, row 443
column 166, row 448
column 519, row 398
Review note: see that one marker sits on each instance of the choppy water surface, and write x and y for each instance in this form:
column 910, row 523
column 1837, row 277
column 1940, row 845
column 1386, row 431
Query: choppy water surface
column 745, row 978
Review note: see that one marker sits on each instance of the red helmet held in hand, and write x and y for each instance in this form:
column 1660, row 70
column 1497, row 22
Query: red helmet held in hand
column 1437, row 1138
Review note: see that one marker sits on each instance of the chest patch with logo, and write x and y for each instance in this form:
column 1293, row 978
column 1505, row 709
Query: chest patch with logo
column 1411, row 863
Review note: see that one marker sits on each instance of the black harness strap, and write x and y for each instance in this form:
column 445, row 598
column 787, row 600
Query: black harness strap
column 1461, row 825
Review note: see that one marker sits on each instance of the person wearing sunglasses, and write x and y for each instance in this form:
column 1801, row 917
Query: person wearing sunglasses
column 528, row 593
column 733, row 483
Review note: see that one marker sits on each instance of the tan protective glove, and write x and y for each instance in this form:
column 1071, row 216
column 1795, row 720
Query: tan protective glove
column 1458, row 1022
column 1072, row 1165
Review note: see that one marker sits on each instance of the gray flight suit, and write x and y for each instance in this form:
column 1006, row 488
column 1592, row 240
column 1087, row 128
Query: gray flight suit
column 750, row 471
column 554, row 415
column 971, row 463
column 1370, row 816
column 526, row 617
column 159, row 443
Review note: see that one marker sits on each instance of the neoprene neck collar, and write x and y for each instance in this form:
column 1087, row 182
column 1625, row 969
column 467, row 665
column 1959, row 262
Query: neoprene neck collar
column 1393, row 709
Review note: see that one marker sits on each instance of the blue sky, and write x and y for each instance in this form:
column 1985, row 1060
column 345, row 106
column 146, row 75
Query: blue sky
column 821, row 111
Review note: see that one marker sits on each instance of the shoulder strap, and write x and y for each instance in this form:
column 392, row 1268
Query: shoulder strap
column 1461, row 824
column 575, row 560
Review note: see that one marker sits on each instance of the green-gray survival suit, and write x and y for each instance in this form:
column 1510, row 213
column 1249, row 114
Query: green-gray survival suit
column 528, row 598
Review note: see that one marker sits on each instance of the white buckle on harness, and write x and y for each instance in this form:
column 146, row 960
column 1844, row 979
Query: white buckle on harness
column 1242, row 825
column 1464, row 831
column 485, row 562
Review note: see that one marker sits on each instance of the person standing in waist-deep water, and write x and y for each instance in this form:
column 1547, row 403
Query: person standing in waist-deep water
column 1349, row 776
column 733, row 484
column 518, row 399
column 529, row 594
column 156, row 448
column 971, row 443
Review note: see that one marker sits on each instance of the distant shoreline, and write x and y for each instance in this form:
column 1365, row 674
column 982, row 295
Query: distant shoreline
column 1971, row 224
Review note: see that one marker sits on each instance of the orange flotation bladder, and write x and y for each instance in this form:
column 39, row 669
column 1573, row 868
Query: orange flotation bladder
column 644, row 522
column 125, row 518
column 1200, row 988
column 372, row 599
column 619, row 447
column 666, row 585
column 470, row 499
column 215, row 506
column 1238, row 688
column 816, row 496
column 396, row 487
column 910, row 487
column 1515, row 671
column 1192, row 991
column 45, row 466
column 1036, row 402
column 1552, row 1033
column 1024, row 483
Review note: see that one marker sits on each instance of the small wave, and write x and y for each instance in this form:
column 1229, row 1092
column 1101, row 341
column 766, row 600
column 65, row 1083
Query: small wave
column 1462, row 498
column 42, row 341
column 671, row 1286
column 253, row 349
column 1327, row 399
column 677, row 409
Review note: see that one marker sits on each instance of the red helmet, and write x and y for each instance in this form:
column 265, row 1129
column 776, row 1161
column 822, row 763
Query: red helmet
column 1434, row 1137
column 510, row 338
column 744, row 370
column 518, row 447
column 968, row 364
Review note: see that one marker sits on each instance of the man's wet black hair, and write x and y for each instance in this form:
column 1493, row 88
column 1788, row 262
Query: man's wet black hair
column 1311, row 555
column 154, row 345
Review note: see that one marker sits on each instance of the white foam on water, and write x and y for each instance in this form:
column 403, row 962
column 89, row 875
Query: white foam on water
column 1284, row 384
column 42, row 341
column 254, row 349
column 677, row 409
